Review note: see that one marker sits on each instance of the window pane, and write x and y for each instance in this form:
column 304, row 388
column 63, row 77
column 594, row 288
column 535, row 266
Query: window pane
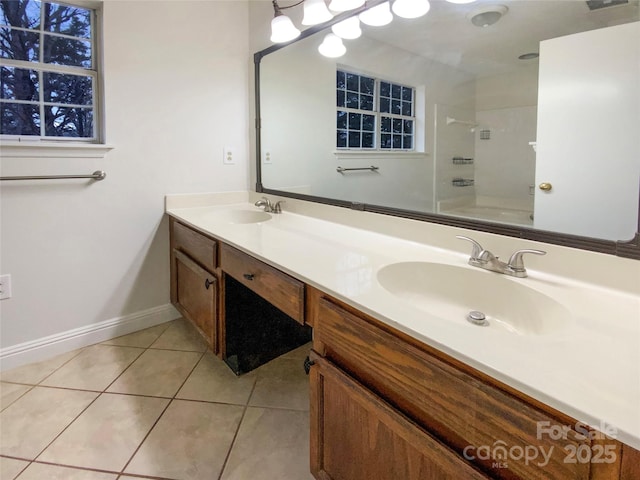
column 396, row 107
column 385, row 105
column 386, row 141
column 22, row 13
column 19, row 45
column 352, row 100
column 367, row 140
column 66, row 51
column 354, row 121
column 341, row 99
column 397, row 125
column 61, row 88
column 406, row 109
column 19, row 84
column 407, row 142
column 366, row 85
column 407, row 94
column 408, row 126
column 366, row 102
column 68, row 20
column 341, row 140
column 385, row 89
column 340, row 80
column 352, row 82
column 396, row 91
column 342, row 119
column 68, row 122
column 19, row 119
column 368, row 123
column 354, row 139
column 397, row 141
column 386, row 124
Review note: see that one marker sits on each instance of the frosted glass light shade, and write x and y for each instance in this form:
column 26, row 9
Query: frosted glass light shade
column 282, row 29
column 315, row 12
column 347, row 29
column 411, row 8
column 344, row 5
column 332, row 46
column 377, row 16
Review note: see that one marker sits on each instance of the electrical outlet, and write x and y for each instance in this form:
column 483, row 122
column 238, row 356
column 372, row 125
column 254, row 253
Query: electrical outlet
column 5, row 286
column 228, row 158
column 267, row 157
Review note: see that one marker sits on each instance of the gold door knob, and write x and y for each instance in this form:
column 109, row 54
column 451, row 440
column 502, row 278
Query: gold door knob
column 545, row 187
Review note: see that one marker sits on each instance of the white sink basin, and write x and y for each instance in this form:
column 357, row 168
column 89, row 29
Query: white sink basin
column 450, row 292
column 237, row 216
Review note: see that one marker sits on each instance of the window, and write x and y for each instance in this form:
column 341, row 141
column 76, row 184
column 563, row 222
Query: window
column 48, row 71
column 373, row 114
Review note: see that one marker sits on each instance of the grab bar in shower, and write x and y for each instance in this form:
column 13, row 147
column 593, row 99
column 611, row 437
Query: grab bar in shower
column 342, row 169
column 97, row 176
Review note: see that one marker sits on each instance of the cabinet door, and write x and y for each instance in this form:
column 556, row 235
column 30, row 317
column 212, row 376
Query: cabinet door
column 197, row 295
column 357, row 436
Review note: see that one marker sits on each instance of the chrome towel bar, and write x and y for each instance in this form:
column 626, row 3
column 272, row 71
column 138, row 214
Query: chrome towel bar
column 97, row 176
column 342, row 169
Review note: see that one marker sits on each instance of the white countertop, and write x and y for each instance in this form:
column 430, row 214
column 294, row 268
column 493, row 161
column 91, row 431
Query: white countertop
column 590, row 369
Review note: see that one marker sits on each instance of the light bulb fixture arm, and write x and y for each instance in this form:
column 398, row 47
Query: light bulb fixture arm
column 277, row 8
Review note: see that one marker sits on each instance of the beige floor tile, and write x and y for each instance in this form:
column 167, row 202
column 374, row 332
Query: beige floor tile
column 181, row 335
column 34, row 373
column 107, row 434
column 281, row 383
column 10, row 392
column 142, row 338
column 157, row 373
column 34, row 420
column 213, row 381
column 190, row 442
column 10, row 468
column 299, row 354
column 40, row 471
column 94, row 368
column 270, row 444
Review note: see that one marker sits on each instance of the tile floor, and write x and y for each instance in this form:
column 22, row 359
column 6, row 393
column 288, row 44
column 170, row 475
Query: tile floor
column 154, row 404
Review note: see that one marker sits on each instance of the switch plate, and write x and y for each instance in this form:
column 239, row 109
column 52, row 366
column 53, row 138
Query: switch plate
column 267, row 157
column 5, row 286
column 228, row 157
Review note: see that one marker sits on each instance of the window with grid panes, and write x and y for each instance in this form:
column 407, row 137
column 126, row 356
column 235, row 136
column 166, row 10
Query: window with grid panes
column 48, row 70
column 373, row 114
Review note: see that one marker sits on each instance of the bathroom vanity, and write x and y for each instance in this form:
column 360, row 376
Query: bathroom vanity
column 396, row 393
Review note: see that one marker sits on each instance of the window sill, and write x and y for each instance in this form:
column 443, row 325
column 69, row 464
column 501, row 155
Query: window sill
column 10, row 149
column 378, row 153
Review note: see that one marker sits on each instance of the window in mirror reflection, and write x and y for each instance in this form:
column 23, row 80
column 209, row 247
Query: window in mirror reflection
column 373, row 114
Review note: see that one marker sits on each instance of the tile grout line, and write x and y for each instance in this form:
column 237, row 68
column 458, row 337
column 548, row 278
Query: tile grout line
column 162, row 413
column 31, row 387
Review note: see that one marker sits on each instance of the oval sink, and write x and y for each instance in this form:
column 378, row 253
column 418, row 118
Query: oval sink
column 451, row 292
column 238, row 216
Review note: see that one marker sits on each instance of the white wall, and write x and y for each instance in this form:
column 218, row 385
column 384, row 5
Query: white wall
column 176, row 75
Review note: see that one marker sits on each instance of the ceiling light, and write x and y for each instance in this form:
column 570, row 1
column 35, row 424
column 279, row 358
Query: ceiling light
column 529, row 56
column 377, row 16
column 332, row 46
column 344, row 5
column 348, row 29
column 487, row 15
column 315, row 12
column 411, row 8
column 282, row 28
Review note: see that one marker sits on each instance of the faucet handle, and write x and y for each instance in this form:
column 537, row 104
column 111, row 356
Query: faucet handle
column 515, row 262
column 477, row 248
column 277, row 207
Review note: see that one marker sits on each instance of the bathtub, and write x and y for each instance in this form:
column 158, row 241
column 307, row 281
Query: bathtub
column 491, row 214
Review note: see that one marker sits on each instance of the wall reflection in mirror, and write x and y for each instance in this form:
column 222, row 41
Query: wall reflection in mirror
column 530, row 118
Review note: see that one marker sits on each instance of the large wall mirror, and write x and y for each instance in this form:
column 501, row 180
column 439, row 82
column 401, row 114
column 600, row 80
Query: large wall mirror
column 515, row 117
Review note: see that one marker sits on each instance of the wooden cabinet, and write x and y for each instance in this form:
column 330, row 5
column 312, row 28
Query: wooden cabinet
column 373, row 389
column 194, row 280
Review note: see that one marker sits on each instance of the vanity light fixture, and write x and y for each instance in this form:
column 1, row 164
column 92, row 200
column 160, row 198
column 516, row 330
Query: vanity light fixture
column 344, row 5
column 411, row 8
column 348, row 29
column 377, row 16
column 332, row 46
column 282, row 28
column 315, row 12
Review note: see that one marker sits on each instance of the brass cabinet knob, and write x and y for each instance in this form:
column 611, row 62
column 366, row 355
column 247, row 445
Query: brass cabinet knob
column 545, row 187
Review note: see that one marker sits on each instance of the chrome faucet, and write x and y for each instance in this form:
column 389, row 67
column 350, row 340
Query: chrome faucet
column 268, row 206
column 485, row 259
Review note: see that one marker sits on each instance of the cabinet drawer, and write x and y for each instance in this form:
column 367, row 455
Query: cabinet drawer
column 280, row 289
column 463, row 411
column 200, row 248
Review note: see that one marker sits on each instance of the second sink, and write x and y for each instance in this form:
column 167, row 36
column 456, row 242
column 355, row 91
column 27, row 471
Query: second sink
column 238, row 216
column 451, row 292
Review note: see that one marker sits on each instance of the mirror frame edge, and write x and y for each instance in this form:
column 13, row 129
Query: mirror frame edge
column 625, row 249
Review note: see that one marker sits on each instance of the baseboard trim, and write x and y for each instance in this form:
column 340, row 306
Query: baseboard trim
column 46, row 347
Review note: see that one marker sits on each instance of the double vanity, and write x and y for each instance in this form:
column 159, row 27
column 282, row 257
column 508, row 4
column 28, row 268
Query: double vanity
column 406, row 380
